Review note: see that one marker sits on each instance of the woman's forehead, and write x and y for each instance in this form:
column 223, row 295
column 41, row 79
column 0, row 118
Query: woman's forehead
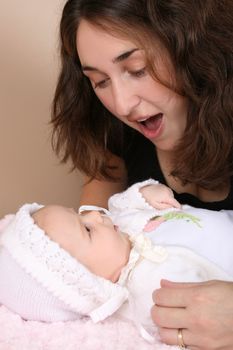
column 91, row 39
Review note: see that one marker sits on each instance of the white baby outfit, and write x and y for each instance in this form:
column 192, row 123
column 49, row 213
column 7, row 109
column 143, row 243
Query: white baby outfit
column 189, row 245
column 205, row 232
column 40, row 281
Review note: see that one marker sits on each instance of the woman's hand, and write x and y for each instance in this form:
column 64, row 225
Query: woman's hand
column 204, row 312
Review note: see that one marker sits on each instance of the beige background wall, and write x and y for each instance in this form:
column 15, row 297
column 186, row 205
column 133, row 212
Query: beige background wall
column 29, row 171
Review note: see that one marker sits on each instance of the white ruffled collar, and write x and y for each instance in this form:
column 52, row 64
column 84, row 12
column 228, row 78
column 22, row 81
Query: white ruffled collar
column 142, row 248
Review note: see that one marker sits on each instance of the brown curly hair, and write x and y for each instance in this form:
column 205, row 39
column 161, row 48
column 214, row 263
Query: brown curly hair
column 198, row 38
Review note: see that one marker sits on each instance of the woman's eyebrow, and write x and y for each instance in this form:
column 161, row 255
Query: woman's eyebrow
column 123, row 56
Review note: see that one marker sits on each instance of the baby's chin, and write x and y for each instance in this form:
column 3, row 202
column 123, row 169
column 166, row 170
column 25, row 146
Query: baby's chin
column 124, row 235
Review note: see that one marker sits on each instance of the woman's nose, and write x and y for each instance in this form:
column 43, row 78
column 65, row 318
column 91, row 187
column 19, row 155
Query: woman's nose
column 125, row 100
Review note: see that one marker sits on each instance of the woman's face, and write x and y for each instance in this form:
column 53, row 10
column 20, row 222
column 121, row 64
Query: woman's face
column 119, row 76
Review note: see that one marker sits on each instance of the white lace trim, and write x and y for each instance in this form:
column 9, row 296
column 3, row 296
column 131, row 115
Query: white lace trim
column 130, row 211
column 131, row 198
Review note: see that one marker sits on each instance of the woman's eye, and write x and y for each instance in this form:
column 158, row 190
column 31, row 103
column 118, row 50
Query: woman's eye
column 138, row 73
column 101, row 84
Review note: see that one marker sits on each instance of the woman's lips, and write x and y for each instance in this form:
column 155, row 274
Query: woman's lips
column 151, row 127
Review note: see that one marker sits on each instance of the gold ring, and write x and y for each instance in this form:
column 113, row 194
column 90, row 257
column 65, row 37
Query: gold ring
column 180, row 339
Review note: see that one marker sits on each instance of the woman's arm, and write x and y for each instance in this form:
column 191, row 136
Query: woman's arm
column 97, row 192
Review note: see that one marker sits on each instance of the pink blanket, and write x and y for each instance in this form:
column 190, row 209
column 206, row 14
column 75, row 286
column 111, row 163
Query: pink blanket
column 113, row 334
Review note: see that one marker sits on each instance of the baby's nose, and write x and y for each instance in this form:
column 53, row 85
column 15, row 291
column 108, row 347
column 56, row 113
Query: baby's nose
column 96, row 216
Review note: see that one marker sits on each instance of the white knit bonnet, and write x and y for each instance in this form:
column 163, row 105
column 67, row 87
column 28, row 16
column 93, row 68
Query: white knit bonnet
column 41, row 281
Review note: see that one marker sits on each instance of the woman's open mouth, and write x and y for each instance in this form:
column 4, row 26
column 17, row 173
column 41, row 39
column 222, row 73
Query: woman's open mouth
column 151, row 126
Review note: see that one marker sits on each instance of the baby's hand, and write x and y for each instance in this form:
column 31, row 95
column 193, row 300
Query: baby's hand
column 160, row 196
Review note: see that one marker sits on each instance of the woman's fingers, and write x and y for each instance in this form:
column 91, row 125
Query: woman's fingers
column 170, row 337
column 169, row 317
column 177, row 294
column 171, row 284
column 203, row 310
column 174, row 297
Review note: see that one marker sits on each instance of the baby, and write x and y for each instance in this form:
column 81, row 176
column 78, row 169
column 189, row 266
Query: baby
column 58, row 265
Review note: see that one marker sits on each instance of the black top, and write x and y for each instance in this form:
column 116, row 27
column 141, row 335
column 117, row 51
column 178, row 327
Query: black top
column 142, row 163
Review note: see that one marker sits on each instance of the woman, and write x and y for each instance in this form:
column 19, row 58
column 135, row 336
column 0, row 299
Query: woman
column 146, row 90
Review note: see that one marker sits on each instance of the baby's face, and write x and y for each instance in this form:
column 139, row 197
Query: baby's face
column 91, row 238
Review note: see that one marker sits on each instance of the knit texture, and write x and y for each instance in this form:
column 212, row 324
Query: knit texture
column 46, row 272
